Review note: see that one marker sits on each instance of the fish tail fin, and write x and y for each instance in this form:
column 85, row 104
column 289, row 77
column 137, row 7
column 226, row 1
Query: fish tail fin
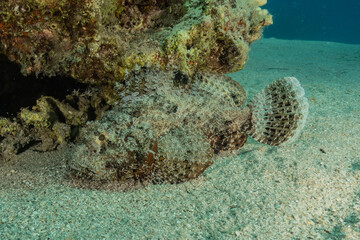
column 279, row 112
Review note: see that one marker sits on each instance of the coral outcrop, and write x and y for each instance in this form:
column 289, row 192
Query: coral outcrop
column 97, row 42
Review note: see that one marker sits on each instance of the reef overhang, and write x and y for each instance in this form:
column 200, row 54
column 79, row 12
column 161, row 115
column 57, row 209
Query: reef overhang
column 99, row 42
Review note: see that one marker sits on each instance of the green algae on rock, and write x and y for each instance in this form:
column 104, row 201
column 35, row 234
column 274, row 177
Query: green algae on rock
column 49, row 123
column 97, row 41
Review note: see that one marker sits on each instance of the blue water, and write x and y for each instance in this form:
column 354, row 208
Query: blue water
column 322, row 20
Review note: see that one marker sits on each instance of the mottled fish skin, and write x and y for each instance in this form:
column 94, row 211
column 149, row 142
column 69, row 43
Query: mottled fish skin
column 157, row 108
column 212, row 103
column 169, row 127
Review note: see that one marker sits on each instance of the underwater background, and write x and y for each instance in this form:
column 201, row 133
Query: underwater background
column 321, row 20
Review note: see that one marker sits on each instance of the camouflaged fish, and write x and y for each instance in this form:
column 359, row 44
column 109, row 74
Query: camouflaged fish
column 169, row 129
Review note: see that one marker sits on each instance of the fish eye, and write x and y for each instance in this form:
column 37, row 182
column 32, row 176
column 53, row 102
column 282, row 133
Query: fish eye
column 53, row 26
column 102, row 137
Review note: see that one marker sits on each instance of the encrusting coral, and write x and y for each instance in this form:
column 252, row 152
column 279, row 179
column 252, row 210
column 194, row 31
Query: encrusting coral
column 96, row 41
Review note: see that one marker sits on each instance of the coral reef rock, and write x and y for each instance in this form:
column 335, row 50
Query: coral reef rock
column 96, row 41
column 168, row 128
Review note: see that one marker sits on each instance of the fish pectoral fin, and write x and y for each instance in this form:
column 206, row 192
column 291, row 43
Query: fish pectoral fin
column 279, row 112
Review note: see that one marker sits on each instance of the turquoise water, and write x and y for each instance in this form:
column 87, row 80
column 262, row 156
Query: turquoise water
column 323, row 20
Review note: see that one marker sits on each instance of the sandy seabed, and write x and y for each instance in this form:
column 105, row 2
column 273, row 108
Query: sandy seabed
column 307, row 190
